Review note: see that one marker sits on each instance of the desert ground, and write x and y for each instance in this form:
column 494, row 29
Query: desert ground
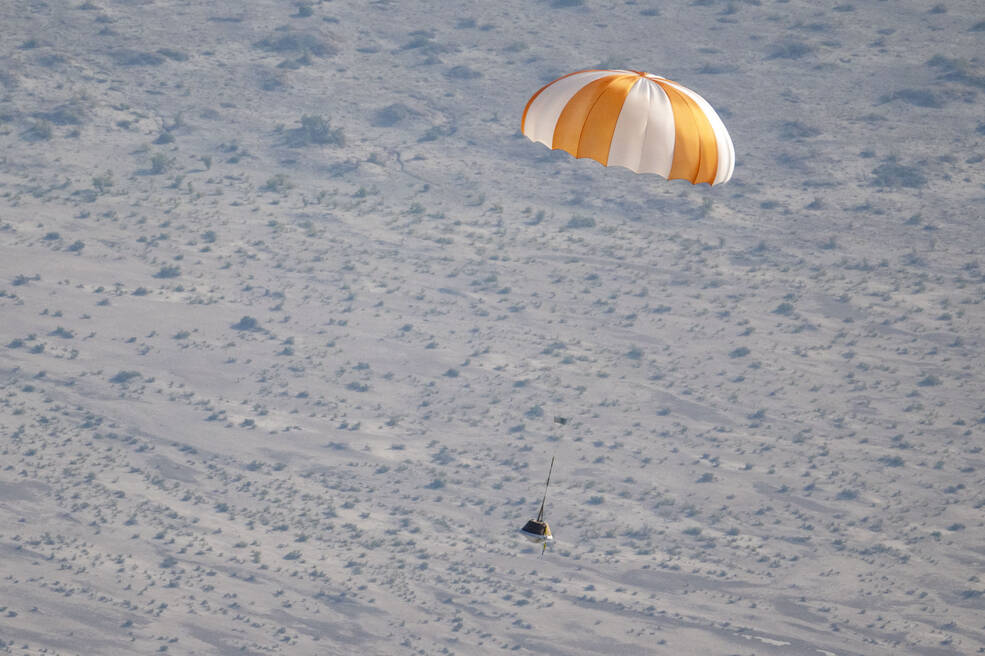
column 288, row 304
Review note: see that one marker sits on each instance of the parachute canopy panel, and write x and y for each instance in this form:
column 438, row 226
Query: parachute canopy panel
column 637, row 120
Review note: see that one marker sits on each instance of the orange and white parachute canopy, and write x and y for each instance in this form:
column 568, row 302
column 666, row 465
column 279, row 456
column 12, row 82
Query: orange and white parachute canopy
column 629, row 118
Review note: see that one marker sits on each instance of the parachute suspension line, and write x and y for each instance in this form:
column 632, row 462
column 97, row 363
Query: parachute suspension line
column 540, row 513
column 563, row 421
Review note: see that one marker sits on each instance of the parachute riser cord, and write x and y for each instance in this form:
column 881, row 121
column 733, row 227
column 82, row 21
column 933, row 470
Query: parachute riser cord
column 563, row 421
column 540, row 513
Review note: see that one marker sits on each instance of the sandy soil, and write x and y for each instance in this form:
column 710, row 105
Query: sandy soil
column 263, row 395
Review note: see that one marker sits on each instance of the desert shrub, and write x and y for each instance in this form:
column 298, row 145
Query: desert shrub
column 278, row 183
column 893, row 174
column 929, row 381
column 300, row 42
column 423, row 40
column 103, row 182
column 42, row 130
column 51, row 60
column 160, row 163
column 271, row 80
column 797, row 130
column 915, row 97
column 70, row 113
column 462, row 73
column 315, row 130
column 391, row 115
column 172, row 54
column 123, row 376
column 784, row 309
column 247, row 323
column 789, row 50
column 126, row 57
column 740, row 352
column 435, row 132
column 958, row 70
column 168, row 271
column 8, row 81
column 578, row 222
column 718, row 69
column 21, row 279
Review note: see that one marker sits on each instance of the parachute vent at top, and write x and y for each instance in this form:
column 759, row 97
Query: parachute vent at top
column 643, row 122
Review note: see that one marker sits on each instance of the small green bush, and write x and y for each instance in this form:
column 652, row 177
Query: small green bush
column 315, row 131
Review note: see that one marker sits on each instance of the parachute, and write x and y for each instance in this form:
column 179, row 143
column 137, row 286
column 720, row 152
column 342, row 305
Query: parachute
column 643, row 122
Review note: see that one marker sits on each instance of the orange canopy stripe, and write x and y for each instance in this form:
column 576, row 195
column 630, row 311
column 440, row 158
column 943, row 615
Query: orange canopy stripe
column 695, row 148
column 643, row 122
column 588, row 121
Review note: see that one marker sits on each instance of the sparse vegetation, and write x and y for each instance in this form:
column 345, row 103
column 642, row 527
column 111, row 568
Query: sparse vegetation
column 315, row 131
column 293, row 392
column 122, row 377
column 890, row 173
column 168, row 271
column 291, row 41
column 789, row 50
column 247, row 323
column 160, row 163
column 126, row 57
column 277, row 184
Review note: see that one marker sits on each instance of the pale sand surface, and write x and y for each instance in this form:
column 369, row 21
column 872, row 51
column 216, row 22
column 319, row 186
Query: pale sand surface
column 775, row 386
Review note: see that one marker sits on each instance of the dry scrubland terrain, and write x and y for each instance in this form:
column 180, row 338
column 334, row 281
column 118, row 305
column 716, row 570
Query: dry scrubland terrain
column 287, row 304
